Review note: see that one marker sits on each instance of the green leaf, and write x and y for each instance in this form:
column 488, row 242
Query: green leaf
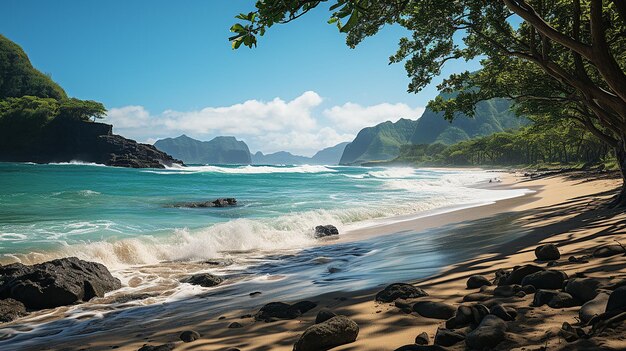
column 354, row 19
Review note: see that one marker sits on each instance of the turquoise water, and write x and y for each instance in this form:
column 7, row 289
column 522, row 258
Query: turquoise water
column 121, row 217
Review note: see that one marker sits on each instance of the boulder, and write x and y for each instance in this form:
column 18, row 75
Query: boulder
column 435, row 310
column 505, row 313
column 617, row 300
column 399, row 291
column 206, row 280
column 477, row 281
column 476, row 297
column 325, row 230
column 562, row 300
column 608, row 251
column 446, row 337
column 548, row 252
column 281, row 310
column 543, row 296
column 550, row 279
column 422, row 339
column 189, row 336
column 339, row 330
column 467, row 315
column 323, row 315
column 56, row 283
column 507, row 290
column 10, row 310
column 593, row 308
column 582, row 289
column 518, row 274
column 490, row 332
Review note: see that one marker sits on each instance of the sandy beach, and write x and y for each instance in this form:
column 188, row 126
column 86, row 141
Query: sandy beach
column 566, row 210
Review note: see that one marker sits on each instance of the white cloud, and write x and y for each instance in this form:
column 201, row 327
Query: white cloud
column 352, row 117
column 265, row 125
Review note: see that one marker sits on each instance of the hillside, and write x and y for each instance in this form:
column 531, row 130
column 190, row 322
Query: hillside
column 383, row 141
column 18, row 77
column 220, row 150
column 279, row 158
column 492, row 116
column 330, row 155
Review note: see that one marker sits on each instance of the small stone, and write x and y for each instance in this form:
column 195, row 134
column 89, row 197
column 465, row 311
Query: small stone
column 507, row 290
column 205, row 280
column 593, row 308
column 582, row 289
column 506, row 314
column 477, row 281
column 235, row 325
column 548, row 252
column 189, row 336
column 399, row 291
column 617, row 300
column 164, row 347
column 608, row 251
column 422, row 339
column 550, row 279
column 475, row 297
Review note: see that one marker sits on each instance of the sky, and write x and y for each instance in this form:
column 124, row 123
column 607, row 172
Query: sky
column 166, row 68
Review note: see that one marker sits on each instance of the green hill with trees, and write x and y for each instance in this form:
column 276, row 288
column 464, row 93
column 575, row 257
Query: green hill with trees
column 220, row 150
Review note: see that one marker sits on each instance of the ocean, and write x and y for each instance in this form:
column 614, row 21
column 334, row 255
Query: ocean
column 123, row 218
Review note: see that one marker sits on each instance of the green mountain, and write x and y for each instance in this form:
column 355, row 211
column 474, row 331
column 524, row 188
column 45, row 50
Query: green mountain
column 330, row 155
column 279, row 158
column 220, row 150
column 18, row 77
column 383, row 141
column 491, row 116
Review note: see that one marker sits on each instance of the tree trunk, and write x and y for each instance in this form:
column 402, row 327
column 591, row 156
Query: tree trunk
column 620, row 155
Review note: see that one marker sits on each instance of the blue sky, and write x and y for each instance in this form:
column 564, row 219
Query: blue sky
column 164, row 68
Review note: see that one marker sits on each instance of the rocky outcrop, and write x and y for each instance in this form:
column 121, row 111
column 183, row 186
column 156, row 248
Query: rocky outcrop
column 65, row 140
column 339, row 330
column 10, row 310
column 222, row 202
column 55, row 283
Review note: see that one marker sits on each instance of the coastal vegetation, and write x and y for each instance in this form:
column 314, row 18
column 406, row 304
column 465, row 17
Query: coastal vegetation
column 565, row 59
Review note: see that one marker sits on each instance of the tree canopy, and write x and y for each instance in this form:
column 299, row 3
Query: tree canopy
column 563, row 58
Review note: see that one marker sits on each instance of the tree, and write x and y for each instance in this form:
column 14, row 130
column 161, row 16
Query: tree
column 81, row 109
column 572, row 53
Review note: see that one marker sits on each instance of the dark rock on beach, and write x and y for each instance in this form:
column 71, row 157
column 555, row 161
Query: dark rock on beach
column 617, row 300
column 399, row 291
column 422, row 339
column 608, row 251
column 189, row 336
column 550, row 279
column 548, row 252
column 507, row 290
column 323, row 315
column 325, row 230
column 222, row 202
column 281, row 310
column 446, row 337
column 516, row 275
column 582, row 289
column 235, row 325
column 56, row 283
column 10, row 310
column 339, row 330
column 490, row 332
column 504, row 313
column 593, row 308
column 164, row 347
column 477, row 281
column 206, row 280
column 435, row 310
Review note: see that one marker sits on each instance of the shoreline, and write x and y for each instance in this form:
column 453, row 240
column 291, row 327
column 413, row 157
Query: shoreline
column 359, row 305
